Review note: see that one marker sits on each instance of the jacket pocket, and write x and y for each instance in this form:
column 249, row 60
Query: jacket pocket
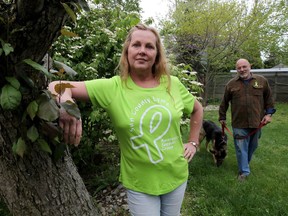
column 236, row 92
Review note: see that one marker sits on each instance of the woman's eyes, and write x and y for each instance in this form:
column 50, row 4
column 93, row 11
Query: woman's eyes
column 147, row 46
column 150, row 47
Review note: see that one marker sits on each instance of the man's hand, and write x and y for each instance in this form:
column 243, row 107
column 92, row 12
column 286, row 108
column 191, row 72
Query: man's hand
column 222, row 122
column 266, row 119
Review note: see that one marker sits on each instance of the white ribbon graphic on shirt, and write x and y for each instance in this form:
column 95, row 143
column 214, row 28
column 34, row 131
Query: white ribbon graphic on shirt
column 155, row 113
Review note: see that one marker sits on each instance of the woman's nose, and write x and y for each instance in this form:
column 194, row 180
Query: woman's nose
column 142, row 50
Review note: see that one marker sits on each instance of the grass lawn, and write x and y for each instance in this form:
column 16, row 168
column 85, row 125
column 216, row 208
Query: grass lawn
column 215, row 190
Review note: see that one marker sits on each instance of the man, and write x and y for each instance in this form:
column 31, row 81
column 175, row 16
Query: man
column 252, row 106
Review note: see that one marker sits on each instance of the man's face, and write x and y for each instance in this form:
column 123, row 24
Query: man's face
column 243, row 69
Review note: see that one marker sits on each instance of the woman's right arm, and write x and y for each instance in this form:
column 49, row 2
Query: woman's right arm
column 77, row 91
column 72, row 127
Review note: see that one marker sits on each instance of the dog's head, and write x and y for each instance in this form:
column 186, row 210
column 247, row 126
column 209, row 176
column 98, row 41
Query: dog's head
column 219, row 150
column 218, row 156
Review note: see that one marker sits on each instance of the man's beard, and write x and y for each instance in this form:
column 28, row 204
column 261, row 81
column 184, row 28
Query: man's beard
column 244, row 76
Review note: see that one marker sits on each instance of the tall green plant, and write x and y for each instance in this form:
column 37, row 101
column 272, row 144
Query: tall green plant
column 94, row 52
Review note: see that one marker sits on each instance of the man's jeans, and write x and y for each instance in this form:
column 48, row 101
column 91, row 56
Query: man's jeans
column 245, row 148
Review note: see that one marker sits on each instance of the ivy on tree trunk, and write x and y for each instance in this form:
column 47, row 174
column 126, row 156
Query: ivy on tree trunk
column 33, row 184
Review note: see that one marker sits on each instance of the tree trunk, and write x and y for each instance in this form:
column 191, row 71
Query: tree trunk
column 34, row 184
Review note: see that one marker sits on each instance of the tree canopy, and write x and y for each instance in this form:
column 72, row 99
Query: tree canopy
column 211, row 35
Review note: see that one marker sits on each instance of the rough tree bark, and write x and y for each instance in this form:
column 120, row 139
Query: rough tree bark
column 35, row 184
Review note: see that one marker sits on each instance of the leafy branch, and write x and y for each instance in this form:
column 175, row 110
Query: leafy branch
column 39, row 120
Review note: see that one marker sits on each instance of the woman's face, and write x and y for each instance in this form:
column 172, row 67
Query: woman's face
column 142, row 51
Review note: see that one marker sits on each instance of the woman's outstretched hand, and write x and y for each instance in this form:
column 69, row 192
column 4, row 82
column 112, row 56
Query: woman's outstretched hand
column 72, row 128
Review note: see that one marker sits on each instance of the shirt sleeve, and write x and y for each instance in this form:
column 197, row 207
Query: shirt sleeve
column 224, row 105
column 270, row 111
column 102, row 91
column 187, row 98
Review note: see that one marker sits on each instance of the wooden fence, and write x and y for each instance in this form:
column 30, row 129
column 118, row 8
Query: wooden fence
column 278, row 82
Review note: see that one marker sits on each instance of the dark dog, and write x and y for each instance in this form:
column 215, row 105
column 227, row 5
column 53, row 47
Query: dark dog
column 219, row 141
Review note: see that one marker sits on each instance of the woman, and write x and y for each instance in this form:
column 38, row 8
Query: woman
column 145, row 105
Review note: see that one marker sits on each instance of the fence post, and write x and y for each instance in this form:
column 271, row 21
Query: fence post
column 275, row 86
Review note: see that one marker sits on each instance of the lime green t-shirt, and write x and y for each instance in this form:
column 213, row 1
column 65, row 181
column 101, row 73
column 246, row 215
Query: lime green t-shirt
column 147, row 124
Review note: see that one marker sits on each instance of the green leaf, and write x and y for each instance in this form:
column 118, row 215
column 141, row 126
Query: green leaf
column 61, row 87
column 32, row 109
column 48, row 109
column 47, row 94
column 7, row 48
column 37, row 66
column 32, row 133
column 70, row 12
column 68, row 33
column 71, row 108
column 50, row 129
column 28, row 80
column 14, row 82
column 44, row 146
column 19, row 148
column 1, row 51
column 67, row 69
column 10, row 97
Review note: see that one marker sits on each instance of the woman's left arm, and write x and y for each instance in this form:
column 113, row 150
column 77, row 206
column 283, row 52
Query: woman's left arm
column 196, row 120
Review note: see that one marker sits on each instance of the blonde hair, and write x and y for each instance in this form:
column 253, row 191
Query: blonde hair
column 159, row 68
